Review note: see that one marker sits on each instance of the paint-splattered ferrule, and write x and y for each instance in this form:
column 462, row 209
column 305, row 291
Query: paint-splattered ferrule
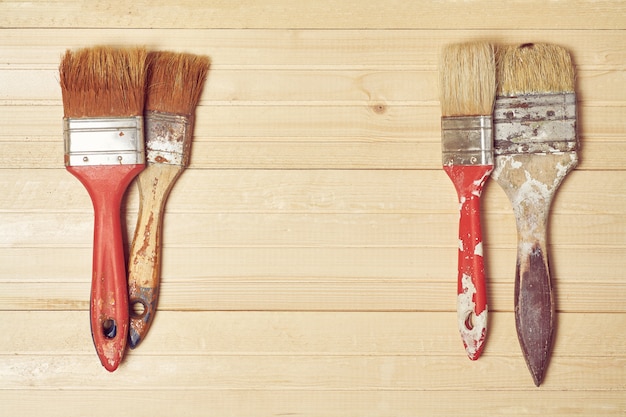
column 168, row 138
column 536, row 123
column 467, row 140
column 93, row 141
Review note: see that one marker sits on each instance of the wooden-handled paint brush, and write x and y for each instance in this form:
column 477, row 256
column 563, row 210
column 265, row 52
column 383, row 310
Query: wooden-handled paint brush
column 535, row 147
column 103, row 93
column 175, row 82
column 468, row 87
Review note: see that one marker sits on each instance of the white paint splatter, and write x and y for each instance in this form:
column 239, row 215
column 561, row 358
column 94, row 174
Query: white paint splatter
column 472, row 338
column 461, row 248
column 478, row 249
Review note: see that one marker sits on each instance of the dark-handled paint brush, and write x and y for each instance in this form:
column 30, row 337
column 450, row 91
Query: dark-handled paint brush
column 467, row 90
column 535, row 146
column 103, row 93
column 175, row 82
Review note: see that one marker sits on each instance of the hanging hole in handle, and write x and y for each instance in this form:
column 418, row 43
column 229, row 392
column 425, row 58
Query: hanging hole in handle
column 109, row 328
column 469, row 321
column 138, row 309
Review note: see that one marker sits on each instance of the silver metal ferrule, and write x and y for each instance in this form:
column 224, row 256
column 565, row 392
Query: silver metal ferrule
column 103, row 141
column 467, row 140
column 540, row 123
column 168, row 138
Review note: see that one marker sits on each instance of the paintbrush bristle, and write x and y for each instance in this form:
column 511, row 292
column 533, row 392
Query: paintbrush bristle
column 103, row 82
column 467, row 79
column 175, row 82
column 534, row 69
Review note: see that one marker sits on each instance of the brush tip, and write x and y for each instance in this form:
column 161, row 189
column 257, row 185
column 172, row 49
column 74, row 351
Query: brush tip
column 175, row 81
column 467, row 79
column 103, row 82
column 534, row 68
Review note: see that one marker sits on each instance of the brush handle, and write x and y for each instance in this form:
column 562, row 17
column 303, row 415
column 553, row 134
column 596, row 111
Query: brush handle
column 530, row 182
column 144, row 269
column 106, row 185
column 472, row 292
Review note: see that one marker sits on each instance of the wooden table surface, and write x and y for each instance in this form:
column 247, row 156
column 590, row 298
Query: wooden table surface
column 310, row 249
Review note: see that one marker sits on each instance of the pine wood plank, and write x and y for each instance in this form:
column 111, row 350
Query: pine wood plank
column 32, row 48
column 216, row 333
column 338, row 153
column 311, row 230
column 327, row 123
column 287, row 266
column 312, row 403
column 308, row 191
column 314, row 294
column 309, row 86
column 278, row 14
column 304, row 372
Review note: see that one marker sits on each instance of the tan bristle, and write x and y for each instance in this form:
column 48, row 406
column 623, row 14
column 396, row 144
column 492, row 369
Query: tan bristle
column 467, row 79
column 175, row 81
column 103, row 82
column 534, row 69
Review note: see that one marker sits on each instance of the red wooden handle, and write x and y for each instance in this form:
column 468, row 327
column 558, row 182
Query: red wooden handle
column 472, row 292
column 109, row 314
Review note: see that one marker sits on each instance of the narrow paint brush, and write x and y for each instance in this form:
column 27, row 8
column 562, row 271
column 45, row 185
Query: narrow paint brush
column 103, row 93
column 535, row 146
column 468, row 87
column 175, row 83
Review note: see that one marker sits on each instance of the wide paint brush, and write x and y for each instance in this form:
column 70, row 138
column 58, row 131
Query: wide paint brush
column 535, row 146
column 467, row 90
column 175, row 82
column 103, row 97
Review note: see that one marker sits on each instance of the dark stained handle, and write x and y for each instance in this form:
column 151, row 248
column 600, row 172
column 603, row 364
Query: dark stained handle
column 534, row 307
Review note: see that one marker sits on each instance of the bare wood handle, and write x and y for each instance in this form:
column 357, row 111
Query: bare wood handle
column 144, row 270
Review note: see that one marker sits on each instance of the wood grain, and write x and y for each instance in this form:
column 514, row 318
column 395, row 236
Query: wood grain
column 309, row 262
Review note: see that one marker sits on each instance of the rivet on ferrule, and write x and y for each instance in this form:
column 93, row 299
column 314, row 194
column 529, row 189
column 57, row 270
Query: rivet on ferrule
column 103, row 141
column 467, row 140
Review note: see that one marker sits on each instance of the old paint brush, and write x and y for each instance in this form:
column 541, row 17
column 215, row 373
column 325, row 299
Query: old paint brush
column 535, row 146
column 103, row 93
column 175, row 83
column 467, row 97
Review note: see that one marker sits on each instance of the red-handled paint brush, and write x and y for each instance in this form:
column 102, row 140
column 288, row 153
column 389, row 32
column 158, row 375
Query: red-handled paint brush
column 103, row 95
column 468, row 87
column 535, row 146
column 175, row 83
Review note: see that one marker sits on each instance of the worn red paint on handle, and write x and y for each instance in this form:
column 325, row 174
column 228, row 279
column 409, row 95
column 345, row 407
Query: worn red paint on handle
column 472, row 292
column 109, row 313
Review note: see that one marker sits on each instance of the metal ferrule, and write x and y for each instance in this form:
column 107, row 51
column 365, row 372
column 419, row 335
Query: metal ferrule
column 103, row 141
column 467, row 140
column 540, row 123
column 168, row 138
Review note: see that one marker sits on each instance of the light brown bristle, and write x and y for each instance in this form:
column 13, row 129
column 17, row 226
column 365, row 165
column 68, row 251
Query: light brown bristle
column 534, row 69
column 175, row 82
column 467, row 79
column 103, row 82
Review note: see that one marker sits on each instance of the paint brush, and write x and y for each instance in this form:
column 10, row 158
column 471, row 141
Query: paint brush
column 535, row 147
column 468, row 87
column 103, row 96
column 175, row 83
